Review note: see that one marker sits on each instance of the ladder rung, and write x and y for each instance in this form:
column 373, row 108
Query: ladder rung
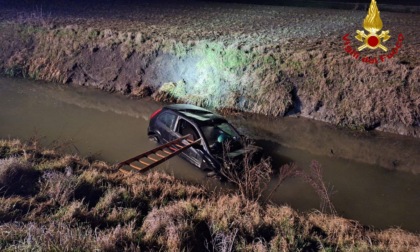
column 167, row 152
column 180, row 146
column 136, row 167
column 145, row 163
column 172, row 148
column 157, row 154
column 152, row 159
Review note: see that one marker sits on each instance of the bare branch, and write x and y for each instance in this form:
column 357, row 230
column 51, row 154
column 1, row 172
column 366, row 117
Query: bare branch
column 286, row 171
column 251, row 177
column 316, row 181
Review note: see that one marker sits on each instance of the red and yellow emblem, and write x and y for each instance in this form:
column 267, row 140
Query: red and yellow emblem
column 372, row 24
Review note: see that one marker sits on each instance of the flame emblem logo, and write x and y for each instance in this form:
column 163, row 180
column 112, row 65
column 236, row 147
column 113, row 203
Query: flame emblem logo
column 372, row 24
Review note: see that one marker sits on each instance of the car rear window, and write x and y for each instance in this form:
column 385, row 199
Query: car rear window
column 168, row 119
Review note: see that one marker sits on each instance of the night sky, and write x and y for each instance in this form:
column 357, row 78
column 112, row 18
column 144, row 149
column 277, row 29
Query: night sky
column 320, row 2
column 342, row 4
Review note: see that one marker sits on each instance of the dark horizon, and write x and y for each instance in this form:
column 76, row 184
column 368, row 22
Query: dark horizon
column 310, row 3
column 321, row 2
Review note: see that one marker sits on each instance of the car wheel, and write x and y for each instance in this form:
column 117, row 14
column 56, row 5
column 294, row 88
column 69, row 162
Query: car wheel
column 155, row 138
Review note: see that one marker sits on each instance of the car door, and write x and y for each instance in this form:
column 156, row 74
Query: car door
column 166, row 122
column 192, row 154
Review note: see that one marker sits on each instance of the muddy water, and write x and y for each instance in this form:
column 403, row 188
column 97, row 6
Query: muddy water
column 361, row 167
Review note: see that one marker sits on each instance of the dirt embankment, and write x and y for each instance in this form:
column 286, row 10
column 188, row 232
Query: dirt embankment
column 275, row 61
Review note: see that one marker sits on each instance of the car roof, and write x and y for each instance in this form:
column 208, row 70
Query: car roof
column 197, row 114
column 186, row 107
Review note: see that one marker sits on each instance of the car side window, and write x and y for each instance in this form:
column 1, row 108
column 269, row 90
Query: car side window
column 168, row 119
column 185, row 128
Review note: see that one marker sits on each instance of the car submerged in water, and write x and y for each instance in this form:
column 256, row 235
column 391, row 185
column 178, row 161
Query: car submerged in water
column 174, row 121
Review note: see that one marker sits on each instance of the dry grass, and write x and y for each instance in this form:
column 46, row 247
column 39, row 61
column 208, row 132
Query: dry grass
column 249, row 175
column 396, row 240
column 344, row 232
column 36, row 17
column 170, row 226
column 17, row 176
column 59, row 187
column 229, row 212
column 90, row 207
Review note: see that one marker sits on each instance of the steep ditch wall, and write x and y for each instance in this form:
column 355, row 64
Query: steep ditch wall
column 318, row 81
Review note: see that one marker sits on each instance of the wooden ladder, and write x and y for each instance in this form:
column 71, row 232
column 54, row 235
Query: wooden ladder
column 158, row 155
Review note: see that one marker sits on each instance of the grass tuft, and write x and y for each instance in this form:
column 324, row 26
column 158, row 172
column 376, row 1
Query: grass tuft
column 17, row 177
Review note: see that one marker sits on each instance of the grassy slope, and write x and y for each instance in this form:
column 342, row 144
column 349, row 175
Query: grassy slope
column 260, row 59
column 53, row 201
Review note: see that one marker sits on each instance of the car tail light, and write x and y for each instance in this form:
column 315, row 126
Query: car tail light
column 155, row 113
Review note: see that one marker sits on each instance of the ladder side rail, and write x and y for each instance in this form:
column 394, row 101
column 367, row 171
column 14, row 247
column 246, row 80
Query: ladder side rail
column 170, row 156
column 126, row 162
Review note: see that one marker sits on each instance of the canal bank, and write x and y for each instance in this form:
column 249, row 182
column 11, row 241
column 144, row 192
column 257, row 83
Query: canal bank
column 269, row 60
column 84, row 204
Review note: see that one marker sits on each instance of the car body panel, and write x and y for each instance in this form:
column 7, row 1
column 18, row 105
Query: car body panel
column 189, row 119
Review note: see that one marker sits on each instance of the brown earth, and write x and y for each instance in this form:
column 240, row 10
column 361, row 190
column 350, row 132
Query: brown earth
column 268, row 60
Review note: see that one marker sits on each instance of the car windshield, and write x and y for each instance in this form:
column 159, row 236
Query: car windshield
column 218, row 134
